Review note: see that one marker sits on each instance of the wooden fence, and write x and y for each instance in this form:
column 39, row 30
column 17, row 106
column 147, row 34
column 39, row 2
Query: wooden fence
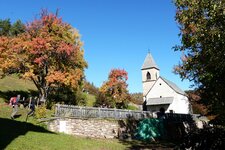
column 94, row 112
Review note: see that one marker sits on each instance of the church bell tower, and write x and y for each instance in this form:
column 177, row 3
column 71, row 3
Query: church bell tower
column 150, row 73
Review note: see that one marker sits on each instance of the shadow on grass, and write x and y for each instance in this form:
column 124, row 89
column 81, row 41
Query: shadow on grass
column 140, row 145
column 11, row 129
column 8, row 94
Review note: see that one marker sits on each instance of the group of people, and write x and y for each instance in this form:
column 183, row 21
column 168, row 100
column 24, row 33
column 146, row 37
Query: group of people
column 14, row 102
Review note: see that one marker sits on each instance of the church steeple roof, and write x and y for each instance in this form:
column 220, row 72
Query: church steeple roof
column 149, row 62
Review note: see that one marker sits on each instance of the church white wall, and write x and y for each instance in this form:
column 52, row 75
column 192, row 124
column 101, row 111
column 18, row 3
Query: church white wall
column 181, row 105
column 146, row 86
column 161, row 89
column 180, row 102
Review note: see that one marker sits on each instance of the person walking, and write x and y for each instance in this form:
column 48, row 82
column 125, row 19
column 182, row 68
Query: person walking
column 14, row 102
column 31, row 107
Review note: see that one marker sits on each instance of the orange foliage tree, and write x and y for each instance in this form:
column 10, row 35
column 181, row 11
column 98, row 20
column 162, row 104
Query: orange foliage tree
column 194, row 98
column 115, row 89
column 49, row 53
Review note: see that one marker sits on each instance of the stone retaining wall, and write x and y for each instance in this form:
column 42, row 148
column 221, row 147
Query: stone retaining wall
column 97, row 128
column 122, row 129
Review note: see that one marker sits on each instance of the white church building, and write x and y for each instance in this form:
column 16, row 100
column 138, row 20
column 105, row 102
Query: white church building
column 160, row 93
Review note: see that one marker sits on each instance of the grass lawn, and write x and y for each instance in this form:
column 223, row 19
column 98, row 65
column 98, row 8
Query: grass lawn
column 39, row 138
column 18, row 134
column 12, row 83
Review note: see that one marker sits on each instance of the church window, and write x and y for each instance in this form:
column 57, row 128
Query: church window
column 171, row 111
column 148, row 76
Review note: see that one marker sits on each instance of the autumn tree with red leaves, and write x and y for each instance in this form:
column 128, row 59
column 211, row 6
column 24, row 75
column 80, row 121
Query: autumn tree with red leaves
column 49, row 53
column 114, row 93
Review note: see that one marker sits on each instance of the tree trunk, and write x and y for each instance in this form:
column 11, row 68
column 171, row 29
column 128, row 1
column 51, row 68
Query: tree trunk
column 43, row 94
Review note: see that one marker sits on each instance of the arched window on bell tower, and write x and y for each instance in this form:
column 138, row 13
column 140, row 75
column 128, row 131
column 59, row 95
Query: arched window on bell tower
column 148, row 76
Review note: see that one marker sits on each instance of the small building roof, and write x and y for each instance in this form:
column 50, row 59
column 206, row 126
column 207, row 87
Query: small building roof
column 173, row 86
column 149, row 62
column 170, row 84
column 159, row 101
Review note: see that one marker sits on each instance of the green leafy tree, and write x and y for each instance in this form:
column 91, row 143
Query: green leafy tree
column 5, row 27
column 104, row 100
column 81, row 98
column 202, row 25
column 17, row 28
column 62, row 94
column 8, row 29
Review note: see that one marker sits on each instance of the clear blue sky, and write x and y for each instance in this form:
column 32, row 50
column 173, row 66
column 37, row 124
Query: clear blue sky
column 116, row 34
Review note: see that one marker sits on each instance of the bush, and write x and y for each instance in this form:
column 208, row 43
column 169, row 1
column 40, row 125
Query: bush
column 81, row 98
column 41, row 112
column 207, row 138
column 103, row 100
column 62, row 94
